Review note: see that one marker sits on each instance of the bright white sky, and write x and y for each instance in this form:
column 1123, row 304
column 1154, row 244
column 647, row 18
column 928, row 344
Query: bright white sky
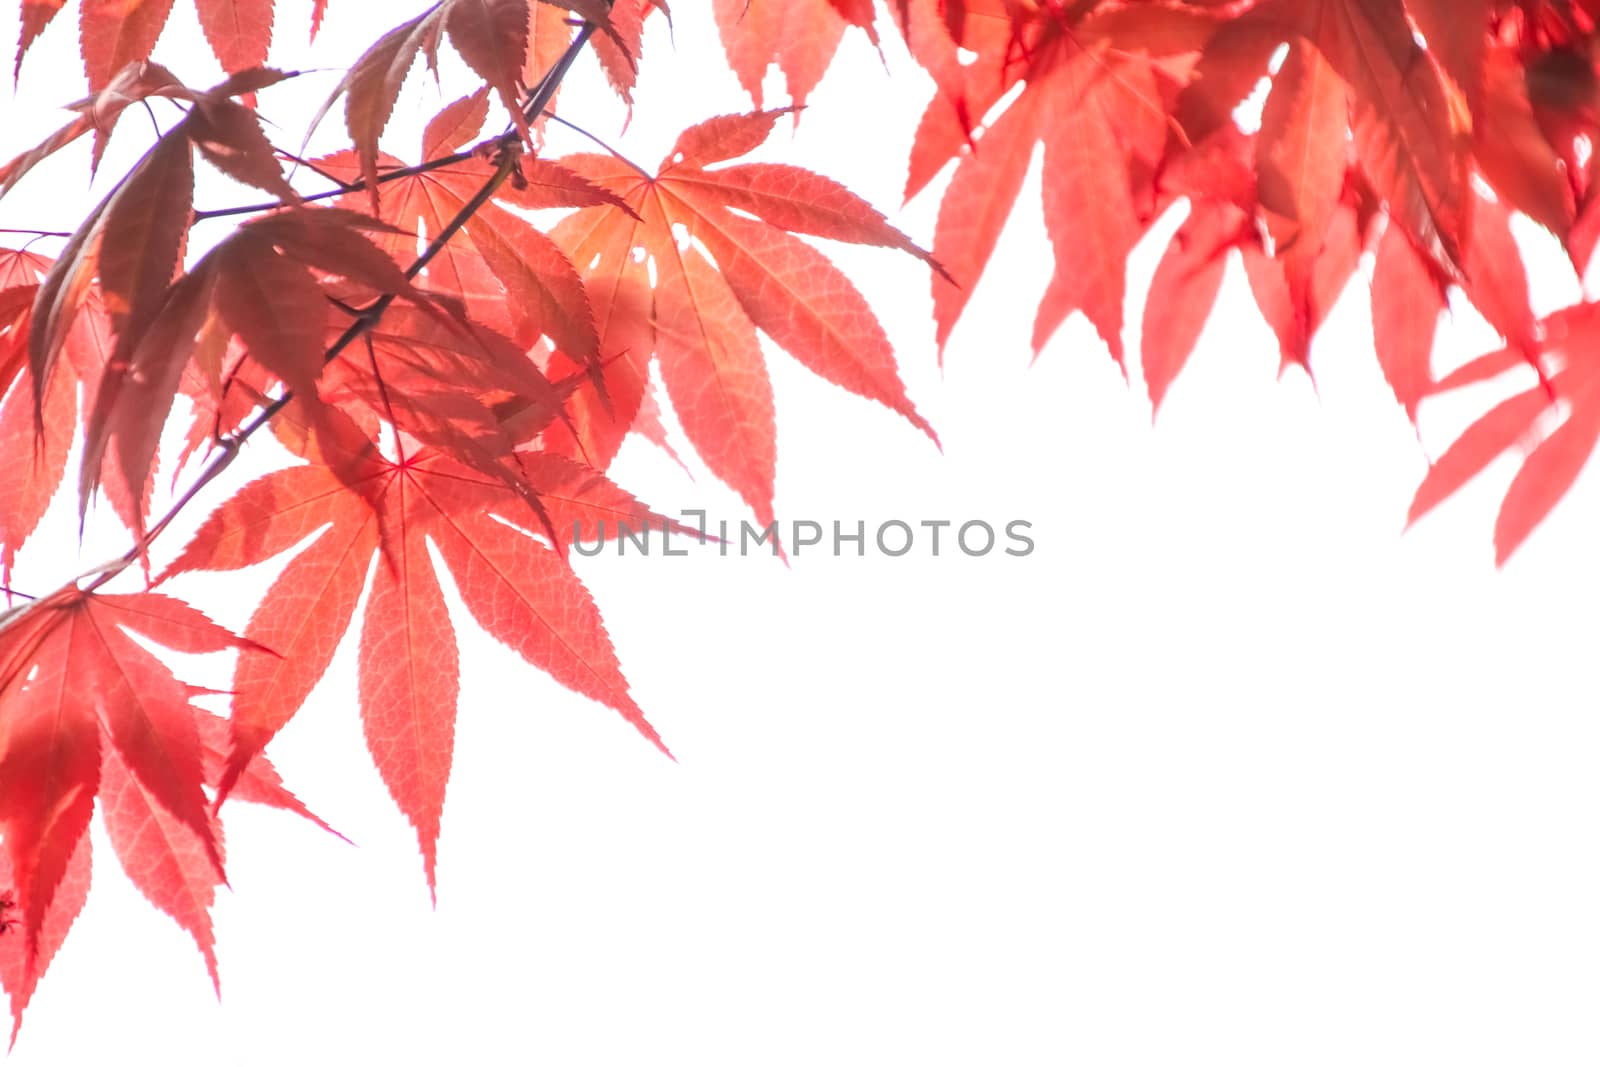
column 1228, row 770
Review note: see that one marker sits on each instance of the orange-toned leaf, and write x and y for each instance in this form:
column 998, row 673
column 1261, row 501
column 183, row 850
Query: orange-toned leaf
column 114, row 33
column 97, row 114
column 492, row 36
column 456, row 124
column 527, row 597
column 239, row 31
column 804, row 303
column 135, row 392
column 799, row 36
column 780, row 285
column 548, row 37
column 131, row 241
column 144, row 231
column 36, row 15
column 712, row 367
column 230, row 138
column 618, row 45
column 275, row 307
column 374, row 81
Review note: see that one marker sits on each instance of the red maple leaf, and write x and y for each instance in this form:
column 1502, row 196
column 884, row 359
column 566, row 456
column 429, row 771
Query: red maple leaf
column 719, row 276
column 518, row 588
column 90, row 711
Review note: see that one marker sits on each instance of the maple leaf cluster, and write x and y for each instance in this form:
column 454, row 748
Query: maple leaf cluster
column 455, row 380
column 1411, row 131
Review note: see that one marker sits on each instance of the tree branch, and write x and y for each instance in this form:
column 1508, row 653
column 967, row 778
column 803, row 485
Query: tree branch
column 507, row 155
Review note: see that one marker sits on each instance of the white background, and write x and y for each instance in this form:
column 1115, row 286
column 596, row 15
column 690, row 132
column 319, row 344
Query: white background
column 1228, row 770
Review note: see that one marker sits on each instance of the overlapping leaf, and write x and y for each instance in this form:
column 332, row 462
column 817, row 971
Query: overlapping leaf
column 1403, row 110
column 131, row 242
column 115, row 33
column 509, row 275
column 799, row 37
column 1555, row 421
column 1101, row 117
column 493, row 37
column 258, row 284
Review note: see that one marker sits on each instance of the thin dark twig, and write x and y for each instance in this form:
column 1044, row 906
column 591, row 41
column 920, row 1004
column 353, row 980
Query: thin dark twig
column 152, row 113
column 311, row 165
column 344, row 190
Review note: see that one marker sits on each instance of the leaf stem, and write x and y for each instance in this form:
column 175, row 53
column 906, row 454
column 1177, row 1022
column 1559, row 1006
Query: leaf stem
column 388, row 408
column 618, row 156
